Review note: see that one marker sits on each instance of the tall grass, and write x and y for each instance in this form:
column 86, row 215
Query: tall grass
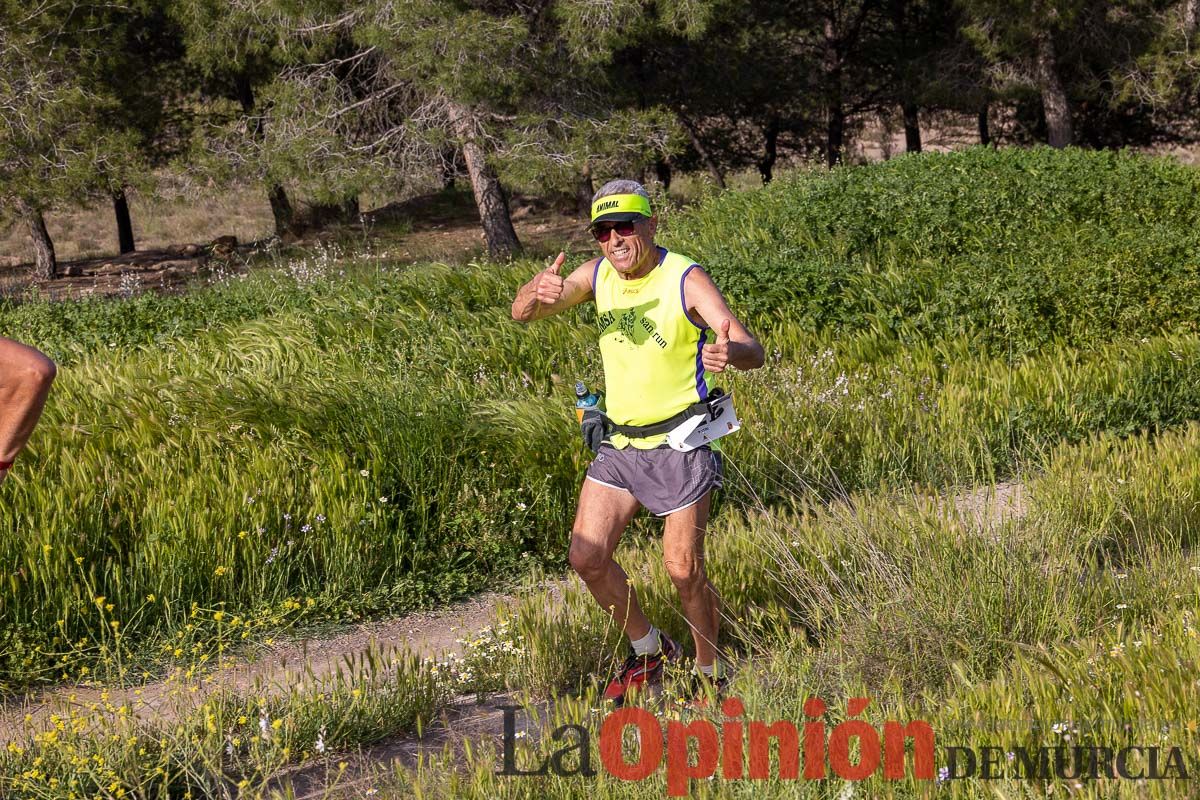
column 998, row 635
column 399, row 441
column 858, row 411
column 1013, row 248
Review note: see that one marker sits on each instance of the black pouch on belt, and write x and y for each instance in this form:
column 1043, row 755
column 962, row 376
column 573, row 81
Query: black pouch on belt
column 594, row 428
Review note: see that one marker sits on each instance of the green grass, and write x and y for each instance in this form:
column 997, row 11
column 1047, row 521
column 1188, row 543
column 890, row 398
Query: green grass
column 1014, row 635
column 230, row 744
column 1013, row 248
column 348, row 452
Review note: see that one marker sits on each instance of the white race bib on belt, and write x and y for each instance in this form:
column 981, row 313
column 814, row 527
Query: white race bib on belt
column 701, row 429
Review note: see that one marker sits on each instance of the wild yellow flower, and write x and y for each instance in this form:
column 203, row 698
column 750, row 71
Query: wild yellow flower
column 218, row 615
column 222, row 570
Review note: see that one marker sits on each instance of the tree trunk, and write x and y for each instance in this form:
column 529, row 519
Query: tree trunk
column 584, row 189
column 498, row 229
column 281, row 210
column 985, row 132
column 705, row 154
column 912, row 127
column 125, row 242
column 766, row 164
column 1191, row 16
column 835, row 123
column 281, row 207
column 835, row 134
column 449, row 167
column 45, row 263
column 662, row 171
column 1054, row 97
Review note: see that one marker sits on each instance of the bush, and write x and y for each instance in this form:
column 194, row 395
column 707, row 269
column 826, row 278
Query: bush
column 1015, row 248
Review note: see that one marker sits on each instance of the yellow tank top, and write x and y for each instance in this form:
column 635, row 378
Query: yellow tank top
column 650, row 346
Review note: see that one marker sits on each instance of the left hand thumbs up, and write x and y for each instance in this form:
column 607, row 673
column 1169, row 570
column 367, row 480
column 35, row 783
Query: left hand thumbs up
column 715, row 356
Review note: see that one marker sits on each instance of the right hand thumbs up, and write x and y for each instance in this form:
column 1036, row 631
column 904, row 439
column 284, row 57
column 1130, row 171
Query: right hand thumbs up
column 550, row 284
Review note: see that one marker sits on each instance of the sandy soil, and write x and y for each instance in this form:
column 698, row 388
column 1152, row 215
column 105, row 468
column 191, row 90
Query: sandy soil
column 988, row 507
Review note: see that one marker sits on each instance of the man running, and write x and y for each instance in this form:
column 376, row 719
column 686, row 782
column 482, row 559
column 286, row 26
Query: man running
column 655, row 309
column 25, row 378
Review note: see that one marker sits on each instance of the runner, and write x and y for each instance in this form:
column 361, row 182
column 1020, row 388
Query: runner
column 25, row 378
column 655, row 312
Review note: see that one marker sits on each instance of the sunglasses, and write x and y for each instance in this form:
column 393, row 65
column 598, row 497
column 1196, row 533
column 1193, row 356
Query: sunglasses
column 603, row 231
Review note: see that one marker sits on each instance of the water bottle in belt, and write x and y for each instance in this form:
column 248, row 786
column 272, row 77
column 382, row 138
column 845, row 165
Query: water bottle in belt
column 591, row 419
column 585, row 400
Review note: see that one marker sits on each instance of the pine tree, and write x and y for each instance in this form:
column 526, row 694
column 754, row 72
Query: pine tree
column 57, row 147
column 240, row 48
column 1072, row 54
column 140, row 65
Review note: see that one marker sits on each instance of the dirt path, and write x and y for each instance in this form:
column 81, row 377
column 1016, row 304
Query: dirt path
column 988, row 507
column 465, row 723
column 310, row 660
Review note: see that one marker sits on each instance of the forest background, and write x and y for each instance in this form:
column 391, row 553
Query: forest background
column 318, row 104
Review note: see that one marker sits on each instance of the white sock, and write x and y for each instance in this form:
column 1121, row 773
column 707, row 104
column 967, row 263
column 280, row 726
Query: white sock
column 649, row 644
column 707, row 670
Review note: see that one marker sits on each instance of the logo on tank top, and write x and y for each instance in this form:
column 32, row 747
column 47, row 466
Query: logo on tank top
column 631, row 324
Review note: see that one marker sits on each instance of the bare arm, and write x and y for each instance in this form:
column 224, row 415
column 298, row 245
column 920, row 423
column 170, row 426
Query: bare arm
column 735, row 346
column 25, row 378
column 548, row 293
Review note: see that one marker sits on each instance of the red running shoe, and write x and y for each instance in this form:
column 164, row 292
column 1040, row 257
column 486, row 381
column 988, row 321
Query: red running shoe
column 639, row 671
column 701, row 689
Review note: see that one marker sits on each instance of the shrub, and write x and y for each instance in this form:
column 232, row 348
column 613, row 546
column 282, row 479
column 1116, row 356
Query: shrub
column 1015, row 248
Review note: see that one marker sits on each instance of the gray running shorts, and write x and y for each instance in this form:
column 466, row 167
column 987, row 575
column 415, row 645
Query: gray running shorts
column 663, row 480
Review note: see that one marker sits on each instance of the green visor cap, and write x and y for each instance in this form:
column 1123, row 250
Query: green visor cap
column 620, row 208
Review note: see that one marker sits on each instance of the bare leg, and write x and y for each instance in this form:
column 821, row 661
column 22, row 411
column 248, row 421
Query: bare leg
column 25, row 378
column 604, row 513
column 683, row 555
